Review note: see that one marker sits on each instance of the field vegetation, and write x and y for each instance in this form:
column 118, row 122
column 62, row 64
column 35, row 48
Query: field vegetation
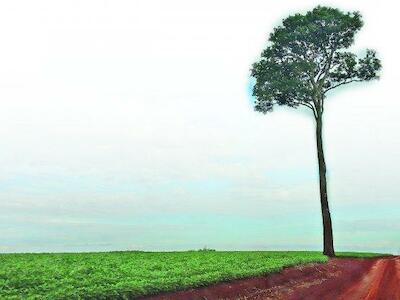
column 131, row 274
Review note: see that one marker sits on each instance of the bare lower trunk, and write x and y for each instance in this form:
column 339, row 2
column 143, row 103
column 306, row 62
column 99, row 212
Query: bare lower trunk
column 326, row 215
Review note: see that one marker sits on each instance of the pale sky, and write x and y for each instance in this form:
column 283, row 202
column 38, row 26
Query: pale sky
column 129, row 125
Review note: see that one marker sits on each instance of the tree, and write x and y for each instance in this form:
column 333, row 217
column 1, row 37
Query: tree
column 306, row 58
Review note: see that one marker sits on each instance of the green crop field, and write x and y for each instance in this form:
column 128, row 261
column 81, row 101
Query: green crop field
column 128, row 275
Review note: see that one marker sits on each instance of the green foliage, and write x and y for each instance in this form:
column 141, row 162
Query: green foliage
column 128, row 275
column 306, row 58
column 205, row 248
column 361, row 254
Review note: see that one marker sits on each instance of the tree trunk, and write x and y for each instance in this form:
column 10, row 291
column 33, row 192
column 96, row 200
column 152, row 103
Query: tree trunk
column 326, row 215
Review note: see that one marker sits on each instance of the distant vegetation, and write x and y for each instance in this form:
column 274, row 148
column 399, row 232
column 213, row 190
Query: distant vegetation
column 206, row 249
column 127, row 275
column 361, row 254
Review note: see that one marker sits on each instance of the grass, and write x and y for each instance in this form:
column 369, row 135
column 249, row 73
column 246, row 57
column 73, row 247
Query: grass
column 360, row 254
column 128, row 275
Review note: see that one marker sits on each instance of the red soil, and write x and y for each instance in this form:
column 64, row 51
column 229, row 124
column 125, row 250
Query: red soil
column 339, row 279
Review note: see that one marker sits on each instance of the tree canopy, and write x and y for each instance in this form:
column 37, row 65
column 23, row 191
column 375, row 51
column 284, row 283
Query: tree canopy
column 306, row 57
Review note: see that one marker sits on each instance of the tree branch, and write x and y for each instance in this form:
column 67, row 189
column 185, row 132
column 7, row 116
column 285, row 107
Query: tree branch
column 322, row 105
column 327, row 66
column 342, row 83
column 309, row 106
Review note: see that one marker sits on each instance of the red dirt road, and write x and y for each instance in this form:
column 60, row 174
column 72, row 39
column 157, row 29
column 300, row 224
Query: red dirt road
column 382, row 282
column 339, row 279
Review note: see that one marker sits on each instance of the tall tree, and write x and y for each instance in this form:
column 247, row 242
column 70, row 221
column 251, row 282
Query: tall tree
column 306, row 58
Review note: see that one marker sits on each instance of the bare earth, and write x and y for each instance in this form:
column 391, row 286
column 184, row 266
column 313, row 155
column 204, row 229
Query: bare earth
column 339, row 279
